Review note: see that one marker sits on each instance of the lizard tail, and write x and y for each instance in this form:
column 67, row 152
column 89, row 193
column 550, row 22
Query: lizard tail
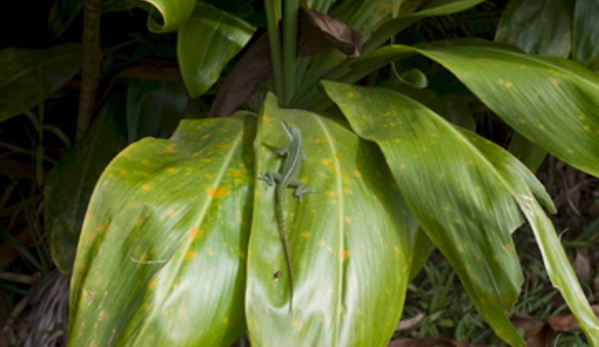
column 285, row 238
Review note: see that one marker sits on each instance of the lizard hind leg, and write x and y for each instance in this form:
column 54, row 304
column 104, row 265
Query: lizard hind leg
column 300, row 189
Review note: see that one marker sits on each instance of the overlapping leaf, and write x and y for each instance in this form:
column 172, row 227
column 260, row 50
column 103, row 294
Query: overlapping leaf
column 144, row 108
column 462, row 199
column 161, row 259
column 538, row 26
column 206, row 43
column 542, row 98
column 352, row 242
column 585, row 45
column 28, row 76
column 71, row 182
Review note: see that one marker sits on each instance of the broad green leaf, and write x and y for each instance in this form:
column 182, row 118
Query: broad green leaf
column 352, row 242
column 168, row 15
column 154, row 108
column 433, row 8
column 161, row 259
column 141, row 108
column 550, row 101
column 585, row 34
column 71, row 182
column 462, row 201
column 28, row 76
column 538, row 26
column 206, row 43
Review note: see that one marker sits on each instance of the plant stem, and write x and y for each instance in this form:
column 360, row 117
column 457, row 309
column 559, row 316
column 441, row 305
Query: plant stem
column 290, row 12
column 273, row 15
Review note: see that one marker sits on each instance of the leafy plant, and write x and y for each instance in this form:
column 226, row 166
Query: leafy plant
column 181, row 247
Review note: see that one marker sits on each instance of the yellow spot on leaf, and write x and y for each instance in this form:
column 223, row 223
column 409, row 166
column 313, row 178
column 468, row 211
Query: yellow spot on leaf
column 509, row 247
column 225, row 320
column 152, row 284
column 330, row 249
column 586, row 127
column 236, row 173
column 347, row 190
column 171, row 169
column 146, row 187
column 145, row 162
column 555, row 81
column 521, row 121
column 330, row 193
column 581, row 117
column 347, row 219
column 217, row 192
column 403, row 166
column 124, row 172
column 350, row 95
column 170, row 148
column 357, row 173
column 190, row 255
column 195, row 233
column 171, row 212
column 508, row 84
column 338, row 155
column 343, row 254
column 306, row 234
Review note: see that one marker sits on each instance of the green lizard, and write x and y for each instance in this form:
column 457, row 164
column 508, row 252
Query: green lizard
column 293, row 157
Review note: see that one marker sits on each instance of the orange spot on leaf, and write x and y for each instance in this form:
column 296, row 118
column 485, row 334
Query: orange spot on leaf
column 195, row 233
column 217, row 192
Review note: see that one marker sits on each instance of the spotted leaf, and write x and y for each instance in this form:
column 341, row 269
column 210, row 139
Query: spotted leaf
column 161, row 257
column 352, row 242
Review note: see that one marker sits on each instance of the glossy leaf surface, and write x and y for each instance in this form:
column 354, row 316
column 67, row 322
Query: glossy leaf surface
column 168, row 15
column 28, row 76
column 542, row 98
column 464, row 191
column 352, row 242
column 206, row 43
column 71, row 182
column 161, row 258
column 454, row 190
column 585, row 45
column 141, row 108
column 538, row 26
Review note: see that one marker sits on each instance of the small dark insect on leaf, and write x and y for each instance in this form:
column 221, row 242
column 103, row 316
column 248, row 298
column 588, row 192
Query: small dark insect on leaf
column 277, row 275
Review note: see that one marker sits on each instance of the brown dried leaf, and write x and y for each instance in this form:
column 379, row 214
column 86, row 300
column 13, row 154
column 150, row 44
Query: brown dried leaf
column 251, row 71
column 567, row 323
column 318, row 31
column 409, row 323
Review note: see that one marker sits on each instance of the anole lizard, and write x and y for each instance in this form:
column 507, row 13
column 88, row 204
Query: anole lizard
column 293, row 157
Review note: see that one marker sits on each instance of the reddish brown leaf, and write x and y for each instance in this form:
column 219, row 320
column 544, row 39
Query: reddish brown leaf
column 567, row 323
column 251, row 71
column 318, row 31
